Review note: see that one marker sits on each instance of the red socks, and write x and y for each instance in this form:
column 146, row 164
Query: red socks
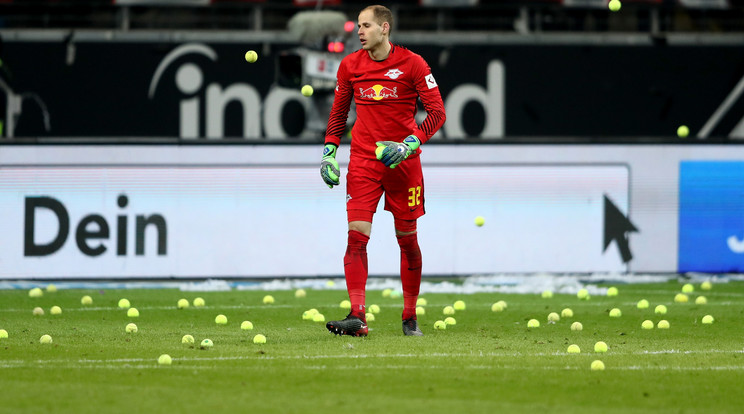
column 410, row 272
column 355, row 271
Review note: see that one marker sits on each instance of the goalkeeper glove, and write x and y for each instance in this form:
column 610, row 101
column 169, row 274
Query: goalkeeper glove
column 392, row 153
column 329, row 166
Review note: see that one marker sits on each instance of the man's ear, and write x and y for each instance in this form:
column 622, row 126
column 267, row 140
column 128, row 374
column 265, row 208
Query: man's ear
column 386, row 27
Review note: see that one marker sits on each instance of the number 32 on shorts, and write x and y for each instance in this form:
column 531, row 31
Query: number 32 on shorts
column 414, row 196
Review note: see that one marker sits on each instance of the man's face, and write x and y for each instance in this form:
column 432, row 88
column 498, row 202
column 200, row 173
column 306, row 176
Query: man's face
column 370, row 33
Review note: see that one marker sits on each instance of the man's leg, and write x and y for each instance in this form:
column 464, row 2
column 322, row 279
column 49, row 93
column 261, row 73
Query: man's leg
column 410, row 273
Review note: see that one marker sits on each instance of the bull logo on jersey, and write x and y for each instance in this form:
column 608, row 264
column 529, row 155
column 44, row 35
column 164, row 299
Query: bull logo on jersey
column 393, row 73
column 378, row 92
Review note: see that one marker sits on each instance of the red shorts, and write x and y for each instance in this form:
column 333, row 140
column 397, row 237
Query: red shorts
column 403, row 186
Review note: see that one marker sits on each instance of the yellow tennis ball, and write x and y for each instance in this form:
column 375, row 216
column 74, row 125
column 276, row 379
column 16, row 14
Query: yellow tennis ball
column 660, row 310
column 386, row 292
column 251, row 56
column 421, row 302
column 307, row 90
column 642, row 304
column 450, row 321
column 459, row 305
column 502, row 303
column 220, row 320
column 199, row 302
column 345, row 304
column 573, row 349
column 683, row 131
column 206, row 344
column 533, row 323
column 708, row 319
column 268, row 300
column 647, row 324
column 612, row 291
column 318, row 317
column 246, row 325
column 86, row 300
column 448, row 310
column 497, row 307
column 370, row 317
column 582, row 294
column 420, row 311
column 131, row 328
column 663, row 324
column 45, row 339
column 577, row 326
column 600, row 347
column 547, row 294
column 681, row 298
column 259, row 339
column 480, row 221
column 56, row 310
column 182, row 304
column 553, row 317
column 567, row 313
column 701, row 300
column 300, row 293
column 597, row 365
column 124, row 303
column 440, row 325
column 3, row 334
column 187, row 339
column 615, row 313
column 133, row 313
column 165, row 359
column 706, row 285
column 688, row 288
column 51, row 288
column 38, row 311
column 614, row 5
column 35, row 293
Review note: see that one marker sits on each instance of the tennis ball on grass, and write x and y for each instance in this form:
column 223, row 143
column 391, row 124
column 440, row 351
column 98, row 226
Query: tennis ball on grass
column 187, row 339
column 612, row 291
column 660, row 310
column 55, row 310
column 246, row 325
column 131, row 328
column 307, row 90
column 582, row 294
column 663, row 324
column 553, row 317
column 133, row 313
column 450, row 321
column 448, row 310
column 35, row 293
column 701, row 300
column 600, row 347
column 220, row 319
column 421, row 302
column 708, row 319
column 259, row 339
column 251, row 56
column 647, row 324
column 3, row 334
column 688, row 288
column 374, row 308
column 318, row 317
column 345, row 304
column 642, row 304
column 615, row 313
column 124, row 303
column 577, row 326
column 597, row 365
column 86, row 300
column 300, row 293
column 546, row 294
column 38, row 311
column 268, row 300
column 496, row 307
column 573, row 349
column 165, row 359
column 440, row 325
column 533, row 323
column 45, row 339
column 370, row 317
column 459, row 305
column 199, row 302
column 567, row 313
column 681, row 298
column 51, row 288
column 182, row 304
column 706, row 285
column 420, row 311
column 206, row 344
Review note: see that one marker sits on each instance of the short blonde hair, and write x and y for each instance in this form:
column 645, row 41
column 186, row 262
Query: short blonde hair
column 382, row 14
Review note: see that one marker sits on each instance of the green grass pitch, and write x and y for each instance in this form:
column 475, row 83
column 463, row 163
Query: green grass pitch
column 489, row 362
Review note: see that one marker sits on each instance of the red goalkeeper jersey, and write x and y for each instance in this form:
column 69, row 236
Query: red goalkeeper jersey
column 385, row 94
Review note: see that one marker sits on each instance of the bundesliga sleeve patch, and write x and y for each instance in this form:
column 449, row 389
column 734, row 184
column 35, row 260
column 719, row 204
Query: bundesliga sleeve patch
column 430, row 82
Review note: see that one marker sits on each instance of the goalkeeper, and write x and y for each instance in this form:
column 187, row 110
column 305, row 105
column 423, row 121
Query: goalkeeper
column 385, row 81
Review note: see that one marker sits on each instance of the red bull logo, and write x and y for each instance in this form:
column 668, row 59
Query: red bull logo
column 378, row 92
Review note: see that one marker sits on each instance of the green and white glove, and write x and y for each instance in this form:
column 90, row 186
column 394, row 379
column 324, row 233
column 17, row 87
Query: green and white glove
column 392, row 153
column 329, row 170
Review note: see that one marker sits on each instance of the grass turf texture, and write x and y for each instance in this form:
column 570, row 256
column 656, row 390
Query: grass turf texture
column 488, row 361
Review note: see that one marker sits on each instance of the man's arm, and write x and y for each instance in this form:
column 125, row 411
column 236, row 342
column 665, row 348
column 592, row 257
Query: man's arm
column 329, row 169
column 428, row 91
